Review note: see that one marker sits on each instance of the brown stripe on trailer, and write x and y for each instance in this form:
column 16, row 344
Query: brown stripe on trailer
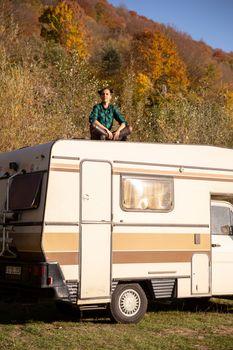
column 26, row 240
column 142, row 171
column 63, row 258
column 140, row 257
column 127, row 257
column 175, row 174
column 64, row 167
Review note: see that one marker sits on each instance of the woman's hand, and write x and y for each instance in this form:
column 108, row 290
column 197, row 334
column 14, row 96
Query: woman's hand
column 117, row 132
column 116, row 135
column 110, row 135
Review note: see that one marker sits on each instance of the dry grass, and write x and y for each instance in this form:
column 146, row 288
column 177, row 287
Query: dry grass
column 207, row 326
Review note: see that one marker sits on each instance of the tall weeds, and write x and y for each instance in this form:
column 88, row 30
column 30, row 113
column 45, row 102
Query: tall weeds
column 47, row 93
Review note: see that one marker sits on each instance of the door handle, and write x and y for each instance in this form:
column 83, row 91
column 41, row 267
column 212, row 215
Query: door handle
column 215, row 245
column 86, row 197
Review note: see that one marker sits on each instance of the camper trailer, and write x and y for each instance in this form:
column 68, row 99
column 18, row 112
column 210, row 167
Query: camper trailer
column 116, row 224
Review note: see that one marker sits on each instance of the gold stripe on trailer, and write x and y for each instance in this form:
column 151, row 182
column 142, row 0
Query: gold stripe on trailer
column 60, row 241
column 154, row 241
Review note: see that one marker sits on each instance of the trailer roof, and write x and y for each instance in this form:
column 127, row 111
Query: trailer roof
column 179, row 155
column 200, row 156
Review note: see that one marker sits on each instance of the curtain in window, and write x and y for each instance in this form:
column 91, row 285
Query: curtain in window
column 147, row 194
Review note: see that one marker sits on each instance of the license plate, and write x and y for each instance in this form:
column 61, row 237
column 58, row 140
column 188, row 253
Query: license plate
column 13, row 270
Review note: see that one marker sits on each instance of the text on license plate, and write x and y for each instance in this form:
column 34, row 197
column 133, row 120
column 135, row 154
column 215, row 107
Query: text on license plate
column 13, row 270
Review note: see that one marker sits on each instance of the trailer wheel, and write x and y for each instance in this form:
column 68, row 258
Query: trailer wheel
column 129, row 303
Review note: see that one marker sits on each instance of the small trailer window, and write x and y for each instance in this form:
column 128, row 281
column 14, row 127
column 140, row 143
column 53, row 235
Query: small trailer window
column 221, row 220
column 25, row 191
column 147, row 194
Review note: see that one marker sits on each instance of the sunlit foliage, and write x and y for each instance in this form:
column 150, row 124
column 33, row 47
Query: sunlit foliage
column 169, row 87
column 63, row 24
column 157, row 57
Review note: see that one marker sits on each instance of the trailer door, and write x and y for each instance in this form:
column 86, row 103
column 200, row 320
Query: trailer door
column 222, row 247
column 95, row 242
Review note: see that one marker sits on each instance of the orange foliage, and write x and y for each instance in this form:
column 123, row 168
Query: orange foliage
column 106, row 16
column 222, row 56
column 162, row 61
column 143, row 85
column 133, row 13
column 88, row 7
column 63, row 23
column 229, row 101
column 219, row 55
column 156, row 56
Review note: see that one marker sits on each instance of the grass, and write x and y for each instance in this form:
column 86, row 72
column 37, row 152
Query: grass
column 179, row 326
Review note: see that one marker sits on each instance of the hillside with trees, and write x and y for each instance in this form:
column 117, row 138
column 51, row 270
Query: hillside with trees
column 55, row 55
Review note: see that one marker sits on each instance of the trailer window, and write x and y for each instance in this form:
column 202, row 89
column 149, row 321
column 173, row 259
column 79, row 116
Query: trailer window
column 221, row 218
column 25, row 191
column 147, row 194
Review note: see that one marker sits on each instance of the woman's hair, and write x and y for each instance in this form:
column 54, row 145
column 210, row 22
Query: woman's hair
column 105, row 88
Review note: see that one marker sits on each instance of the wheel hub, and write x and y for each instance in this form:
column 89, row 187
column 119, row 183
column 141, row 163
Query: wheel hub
column 129, row 302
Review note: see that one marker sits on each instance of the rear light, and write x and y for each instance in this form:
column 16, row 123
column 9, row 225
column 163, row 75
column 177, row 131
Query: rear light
column 38, row 270
column 49, row 280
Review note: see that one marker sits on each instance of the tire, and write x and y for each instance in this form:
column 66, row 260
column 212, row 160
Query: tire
column 129, row 303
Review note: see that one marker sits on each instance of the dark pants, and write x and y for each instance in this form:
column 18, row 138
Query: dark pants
column 97, row 133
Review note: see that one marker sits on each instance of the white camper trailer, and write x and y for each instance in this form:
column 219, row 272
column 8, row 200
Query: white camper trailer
column 116, row 224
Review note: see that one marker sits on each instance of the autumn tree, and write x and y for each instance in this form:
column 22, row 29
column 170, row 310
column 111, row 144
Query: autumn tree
column 63, row 24
column 106, row 15
column 111, row 61
column 206, row 68
column 156, row 56
column 143, row 85
column 88, row 7
column 228, row 95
